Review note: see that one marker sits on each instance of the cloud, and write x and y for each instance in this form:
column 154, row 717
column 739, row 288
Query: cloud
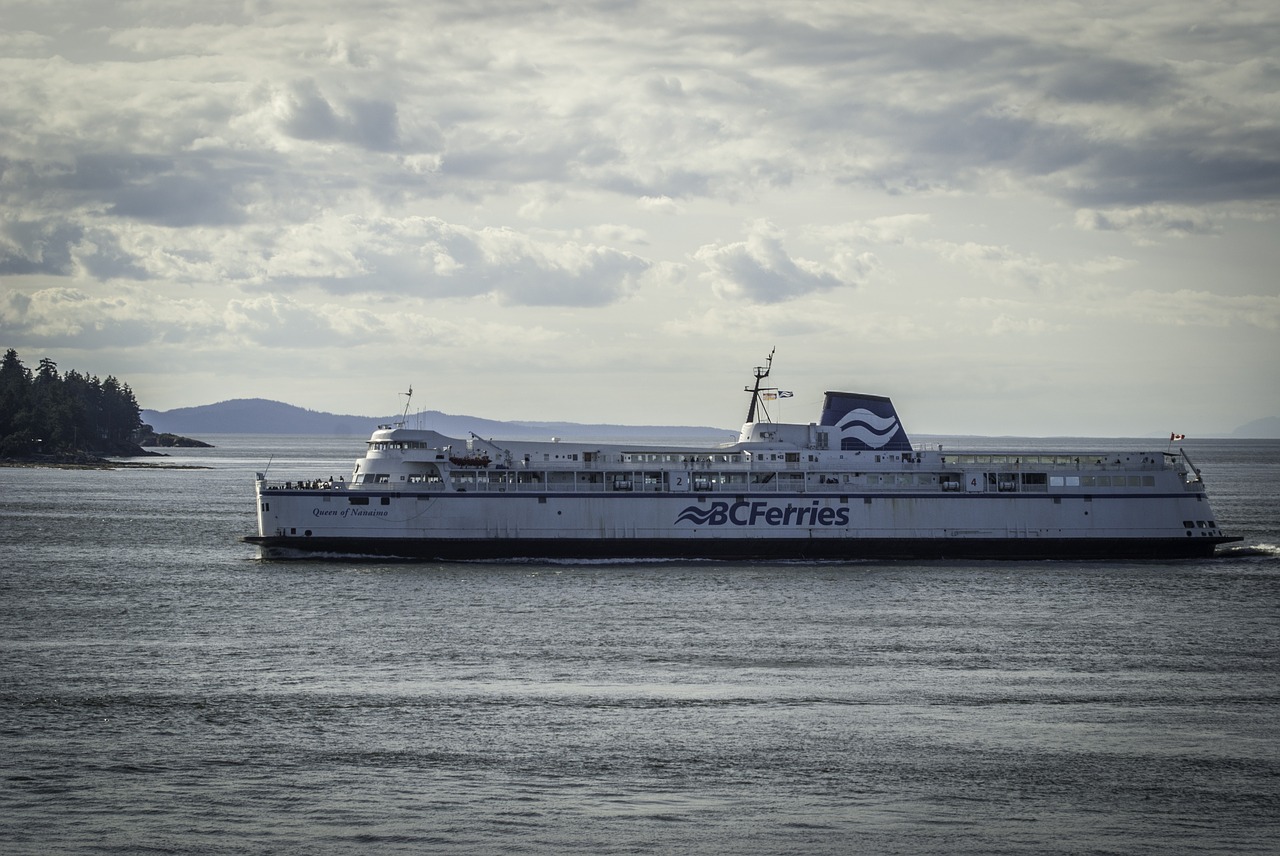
column 72, row 317
column 426, row 256
column 1089, row 79
column 659, row 204
column 305, row 114
column 44, row 247
column 1003, row 265
column 274, row 322
column 760, row 270
column 1129, row 310
column 888, row 230
column 1004, row 325
column 1147, row 222
column 419, row 256
column 1191, row 308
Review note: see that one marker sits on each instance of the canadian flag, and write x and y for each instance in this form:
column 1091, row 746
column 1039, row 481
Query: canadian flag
column 1173, row 438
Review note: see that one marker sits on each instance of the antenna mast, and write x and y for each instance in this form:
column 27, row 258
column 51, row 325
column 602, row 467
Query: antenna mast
column 762, row 372
column 408, row 396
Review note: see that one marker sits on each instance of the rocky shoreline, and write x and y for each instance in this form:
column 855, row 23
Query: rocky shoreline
column 149, row 439
column 84, row 460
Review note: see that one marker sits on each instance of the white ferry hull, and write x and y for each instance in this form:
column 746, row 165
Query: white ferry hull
column 464, row 526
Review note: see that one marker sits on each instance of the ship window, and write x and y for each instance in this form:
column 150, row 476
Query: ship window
column 386, row 500
column 358, row 500
column 266, row 506
column 1035, row 478
column 1189, row 524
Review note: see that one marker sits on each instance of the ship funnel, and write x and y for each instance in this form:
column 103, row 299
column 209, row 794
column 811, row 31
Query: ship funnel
column 865, row 422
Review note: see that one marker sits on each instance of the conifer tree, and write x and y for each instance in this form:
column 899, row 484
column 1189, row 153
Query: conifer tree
column 47, row 413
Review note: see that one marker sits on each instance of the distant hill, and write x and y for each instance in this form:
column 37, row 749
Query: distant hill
column 262, row 416
column 1259, row 429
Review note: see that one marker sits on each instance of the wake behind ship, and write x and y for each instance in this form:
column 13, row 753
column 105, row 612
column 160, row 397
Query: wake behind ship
column 849, row 486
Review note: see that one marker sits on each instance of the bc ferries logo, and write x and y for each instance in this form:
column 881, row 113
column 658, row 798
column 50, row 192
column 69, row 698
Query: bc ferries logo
column 868, row 428
column 762, row 513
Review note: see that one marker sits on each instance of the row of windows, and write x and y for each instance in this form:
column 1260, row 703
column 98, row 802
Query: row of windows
column 948, row 481
column 1053, row 460
column 1102, row 481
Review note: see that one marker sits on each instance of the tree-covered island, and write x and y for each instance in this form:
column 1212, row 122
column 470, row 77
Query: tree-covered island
column 68, row 418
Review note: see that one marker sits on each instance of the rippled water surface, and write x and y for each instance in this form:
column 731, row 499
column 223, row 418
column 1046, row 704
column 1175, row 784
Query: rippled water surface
column 162, row 690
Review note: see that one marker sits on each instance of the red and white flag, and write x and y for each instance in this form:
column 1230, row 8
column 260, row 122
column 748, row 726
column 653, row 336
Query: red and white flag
column 1173, row 438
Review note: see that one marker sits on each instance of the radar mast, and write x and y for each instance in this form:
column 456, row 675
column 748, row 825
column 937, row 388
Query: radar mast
column 408, row 396
column 762, row 372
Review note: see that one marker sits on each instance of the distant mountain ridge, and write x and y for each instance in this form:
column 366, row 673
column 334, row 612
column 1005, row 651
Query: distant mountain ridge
column 1259, row 429
column 263, row 416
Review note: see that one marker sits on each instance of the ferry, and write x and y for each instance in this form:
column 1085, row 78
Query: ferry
column 850, row 486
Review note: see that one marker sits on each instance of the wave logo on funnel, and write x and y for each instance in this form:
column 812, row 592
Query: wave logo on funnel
column 868, row 428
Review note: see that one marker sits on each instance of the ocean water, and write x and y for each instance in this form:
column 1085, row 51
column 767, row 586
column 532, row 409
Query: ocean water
column 164, row 691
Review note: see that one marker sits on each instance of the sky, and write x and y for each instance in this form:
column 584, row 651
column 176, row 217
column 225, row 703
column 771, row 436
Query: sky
column 1030, row 219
